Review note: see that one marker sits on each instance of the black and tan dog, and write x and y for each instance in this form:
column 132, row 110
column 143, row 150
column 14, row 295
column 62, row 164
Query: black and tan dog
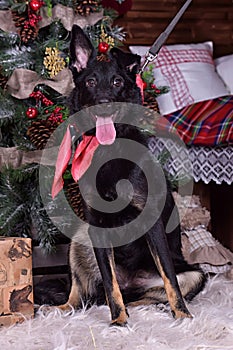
column 121, row 266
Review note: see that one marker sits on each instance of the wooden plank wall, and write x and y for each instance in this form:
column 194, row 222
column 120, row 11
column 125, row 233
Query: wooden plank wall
column 203, row 20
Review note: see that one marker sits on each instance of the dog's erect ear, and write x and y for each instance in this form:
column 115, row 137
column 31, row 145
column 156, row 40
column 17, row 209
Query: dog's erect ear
column 127, row 60
column 81, row 48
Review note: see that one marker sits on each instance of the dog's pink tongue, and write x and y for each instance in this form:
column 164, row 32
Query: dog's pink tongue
column 105, row 130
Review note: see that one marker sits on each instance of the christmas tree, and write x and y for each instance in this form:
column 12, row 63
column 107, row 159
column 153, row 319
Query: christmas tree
column 34, row 82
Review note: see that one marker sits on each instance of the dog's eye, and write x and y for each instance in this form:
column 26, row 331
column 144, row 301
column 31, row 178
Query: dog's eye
column 118, row 82
column 91, row 82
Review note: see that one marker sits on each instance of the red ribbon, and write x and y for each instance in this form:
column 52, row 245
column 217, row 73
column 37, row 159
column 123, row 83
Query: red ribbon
column 139, row 83
column 83, row 156
column 81, row 161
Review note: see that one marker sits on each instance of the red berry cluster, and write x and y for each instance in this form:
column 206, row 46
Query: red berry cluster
column 154, row 87
column 151, row 86
column 41, row 97
column 56, row 116
column 32, row 112
column 33, row 19
column 33, row 16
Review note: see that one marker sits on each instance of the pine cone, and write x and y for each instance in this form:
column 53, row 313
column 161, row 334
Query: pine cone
column 28, row 33
column 86, row 7
column 75, row 199
column 19, row 18
column 150, row 102
column 3, row 79
column 39, row 132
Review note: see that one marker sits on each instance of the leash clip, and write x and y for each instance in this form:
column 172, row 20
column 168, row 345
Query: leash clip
column 153, row 52
column 150, row 57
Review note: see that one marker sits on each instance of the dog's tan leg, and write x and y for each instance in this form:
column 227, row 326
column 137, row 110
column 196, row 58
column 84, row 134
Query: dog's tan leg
column 121, row 317
column 114, row 298
column 175, row 300
column 157, row 243
column 74, row 298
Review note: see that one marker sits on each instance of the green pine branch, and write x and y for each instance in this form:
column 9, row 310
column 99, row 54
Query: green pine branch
column 8, row 39
column 47, row 232
column 19, row 6
column 13, row 206
column 21, row 209
column 13, row 122
column 16, row 57
column 5, row 5
column 8, row 108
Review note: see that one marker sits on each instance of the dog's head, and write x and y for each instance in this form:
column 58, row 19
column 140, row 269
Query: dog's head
column 99, row 82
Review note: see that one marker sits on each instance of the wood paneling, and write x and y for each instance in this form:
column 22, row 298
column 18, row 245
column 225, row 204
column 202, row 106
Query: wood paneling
column 203, row 20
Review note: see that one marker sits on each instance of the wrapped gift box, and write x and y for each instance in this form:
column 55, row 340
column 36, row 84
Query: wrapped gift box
column 16, row 289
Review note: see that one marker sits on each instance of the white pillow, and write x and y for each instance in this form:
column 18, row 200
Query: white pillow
column 189, row 71
column 224, row 67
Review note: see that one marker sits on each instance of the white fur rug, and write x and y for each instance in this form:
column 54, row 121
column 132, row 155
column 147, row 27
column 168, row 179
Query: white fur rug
column 148, row 328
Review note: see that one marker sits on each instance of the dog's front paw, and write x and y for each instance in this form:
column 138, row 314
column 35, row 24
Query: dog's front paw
column 181, row 312
column 121, row 320
column 67, row 307
column 46, row 309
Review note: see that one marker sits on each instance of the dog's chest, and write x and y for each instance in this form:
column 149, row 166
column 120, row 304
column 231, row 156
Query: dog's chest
column 113, row 176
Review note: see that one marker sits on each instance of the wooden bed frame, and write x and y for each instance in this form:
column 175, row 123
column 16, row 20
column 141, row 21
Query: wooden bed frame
column 203, row 20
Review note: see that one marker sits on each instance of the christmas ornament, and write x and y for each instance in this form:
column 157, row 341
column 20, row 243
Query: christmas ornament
column 32, row 112
column 35, row 5
column 105, row 43
column 103, row 47
column 53, row 62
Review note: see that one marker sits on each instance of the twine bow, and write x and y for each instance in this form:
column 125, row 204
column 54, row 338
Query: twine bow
column 23, row 81
column 64, row 13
